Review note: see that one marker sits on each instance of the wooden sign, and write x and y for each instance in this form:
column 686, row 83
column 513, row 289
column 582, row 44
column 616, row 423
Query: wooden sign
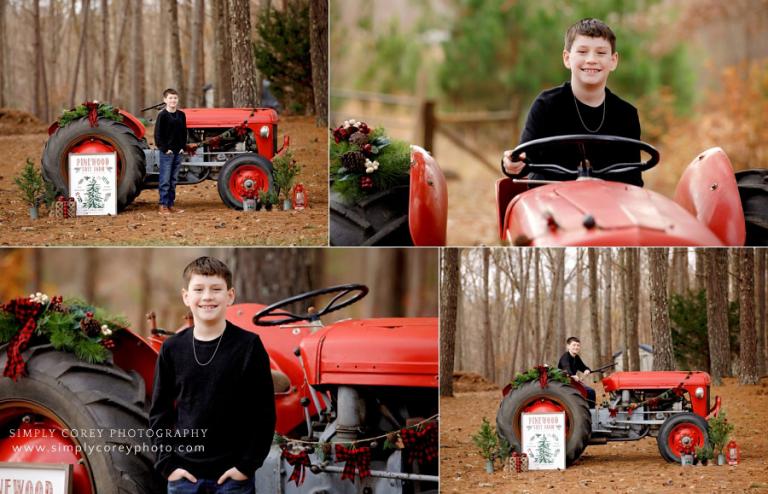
column 93, row 183
column 45, row 478
column 544, row 440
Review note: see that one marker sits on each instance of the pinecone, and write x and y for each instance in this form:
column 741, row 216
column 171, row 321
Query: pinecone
column 90, row 327
column 359, row 139
column 354, row 161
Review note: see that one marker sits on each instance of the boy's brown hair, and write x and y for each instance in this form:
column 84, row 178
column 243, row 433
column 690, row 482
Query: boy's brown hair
column 594, row 28
column 208, row 266
column 170, row 90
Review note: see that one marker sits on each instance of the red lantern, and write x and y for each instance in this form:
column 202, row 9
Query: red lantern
column 300, row 197
column 733, row 453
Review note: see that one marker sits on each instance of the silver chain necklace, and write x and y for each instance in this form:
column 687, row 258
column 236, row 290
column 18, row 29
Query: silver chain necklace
column 194, row 351
column 582, row 120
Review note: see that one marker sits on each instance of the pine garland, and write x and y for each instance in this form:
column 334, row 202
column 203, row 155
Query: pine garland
column 553, row 374
column 387, row 162
column 61, row 324
column 104, row 110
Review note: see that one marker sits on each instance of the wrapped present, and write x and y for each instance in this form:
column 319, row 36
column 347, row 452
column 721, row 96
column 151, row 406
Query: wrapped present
column 65, row 207
column 523, row 462
column 517, row 463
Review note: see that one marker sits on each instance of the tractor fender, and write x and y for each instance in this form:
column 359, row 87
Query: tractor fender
column 428, row 200
column 708, row 190
column 133, row 123
column 506, row 190
column 134, row 353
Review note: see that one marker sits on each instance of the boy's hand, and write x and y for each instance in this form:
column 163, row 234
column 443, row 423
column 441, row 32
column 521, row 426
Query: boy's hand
column 169, row 152
column 586, row 372
column 180, row 473
column 234, row 474
column 512, row 167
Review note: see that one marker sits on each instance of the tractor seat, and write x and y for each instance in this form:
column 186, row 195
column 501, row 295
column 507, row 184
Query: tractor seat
column 281, row 382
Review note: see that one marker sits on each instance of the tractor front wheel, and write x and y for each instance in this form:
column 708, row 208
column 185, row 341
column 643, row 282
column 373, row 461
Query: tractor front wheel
column 241, row 173
column 108, row 137
column 682, row 431
column 92, row 416
column 556, row 397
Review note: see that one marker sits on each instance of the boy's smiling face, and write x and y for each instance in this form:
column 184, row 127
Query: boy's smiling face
column 590, row 61
column 171, row 101
column 208, row 298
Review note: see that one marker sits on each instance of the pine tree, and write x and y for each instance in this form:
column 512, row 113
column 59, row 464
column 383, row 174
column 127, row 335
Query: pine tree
column 544, row 453
column 93, row 197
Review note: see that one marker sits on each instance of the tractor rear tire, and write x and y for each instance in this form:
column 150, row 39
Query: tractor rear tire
column 127, row 146
column 753, row 190
column 669, row 425
column 94, row 397
column 379, row 219
column 231, row 168
column 567, row 397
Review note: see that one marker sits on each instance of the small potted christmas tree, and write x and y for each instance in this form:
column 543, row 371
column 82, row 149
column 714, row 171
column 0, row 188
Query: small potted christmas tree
column 719, row 433
column 31, row 186
column 286, row 170
column 488, row 443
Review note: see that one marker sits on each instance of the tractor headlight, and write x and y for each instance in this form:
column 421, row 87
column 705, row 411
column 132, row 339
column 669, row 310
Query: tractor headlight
column 699, row 392
column 264, row 131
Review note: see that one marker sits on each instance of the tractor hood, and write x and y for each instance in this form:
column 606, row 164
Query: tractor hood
column 373, row 352
column 216, row 118
column 655, row 380
column 598, row 212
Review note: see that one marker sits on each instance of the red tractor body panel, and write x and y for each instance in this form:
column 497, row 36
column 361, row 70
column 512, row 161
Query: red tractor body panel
column 556, row 214
column 134, row 123
column 428, row 202
column 224, row 118
column 687, row 381
column 708, row 190
column 374, row 352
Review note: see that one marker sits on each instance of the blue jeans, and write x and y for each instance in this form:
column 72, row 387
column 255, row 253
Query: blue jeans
column 169, row 175
column 204, row 486
column 590, row 396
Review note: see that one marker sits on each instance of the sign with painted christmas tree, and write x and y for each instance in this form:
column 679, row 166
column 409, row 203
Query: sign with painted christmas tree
column 544, row 440
column 93, row 183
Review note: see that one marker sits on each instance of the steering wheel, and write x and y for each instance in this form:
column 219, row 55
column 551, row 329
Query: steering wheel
column 275, row 311
column 580, row 141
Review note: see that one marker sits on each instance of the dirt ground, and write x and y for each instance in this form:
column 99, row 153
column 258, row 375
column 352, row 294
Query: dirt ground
column 206, row 220
column 634, row 467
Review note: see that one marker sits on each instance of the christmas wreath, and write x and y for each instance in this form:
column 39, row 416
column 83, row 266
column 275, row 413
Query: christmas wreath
column 365, row 160
column 92, row 110
column 535, row 374
column 74, row 326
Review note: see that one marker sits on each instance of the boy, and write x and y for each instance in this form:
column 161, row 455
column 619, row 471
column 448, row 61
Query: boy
column 571, row 363
column 584, row 105
column 170, row 139
column 213, row 408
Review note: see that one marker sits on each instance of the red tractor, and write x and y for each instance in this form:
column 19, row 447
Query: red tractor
column 672, row 406
column 583, row 207
column 239, row 144
column 350, row 380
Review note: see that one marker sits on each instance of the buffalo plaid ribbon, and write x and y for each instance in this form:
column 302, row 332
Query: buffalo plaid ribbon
column 420, row 444
column 542, row 375
column 299, row 461
column 25, row 311
column 355, row 459
column 93, row 113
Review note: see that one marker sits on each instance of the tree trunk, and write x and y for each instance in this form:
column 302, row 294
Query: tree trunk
column 3, row 44
column 175, row 53
column 634, row 308
column 605, row 338
column 748, row 339
column 196, row 56
column 145, row 284
column 87, row 96
column 120, row 48
column 625, row 304
column 760, row 255
column 519, row 345
column 537, row 307
column 560, row 297
column 104, row 42
column 138, row 86
column 244, row 93
column 701, row 270
column 80, row 53
column 318, row 51
column 41, row 105
column 489, row 365
column 222, row 55
column 734, row 269
column 384, row 267
column 663, row 355
column 594, row 323
column 449, row 293
column 717, row 315
column 678, row 281
column 579, row 295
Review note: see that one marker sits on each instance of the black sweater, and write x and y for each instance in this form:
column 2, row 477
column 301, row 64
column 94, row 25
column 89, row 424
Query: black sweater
column 571, row 364
column 553, row 113
column 171, row 131
column 230, row 402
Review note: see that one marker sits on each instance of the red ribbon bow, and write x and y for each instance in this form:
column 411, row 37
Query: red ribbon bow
column 542, row 375
column 420, row 444
column 355, row 459
column 299, row 461
column 93, row 113
column 25, row 311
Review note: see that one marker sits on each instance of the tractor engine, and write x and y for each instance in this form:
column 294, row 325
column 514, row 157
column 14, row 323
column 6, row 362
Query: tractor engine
column 633, row 414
